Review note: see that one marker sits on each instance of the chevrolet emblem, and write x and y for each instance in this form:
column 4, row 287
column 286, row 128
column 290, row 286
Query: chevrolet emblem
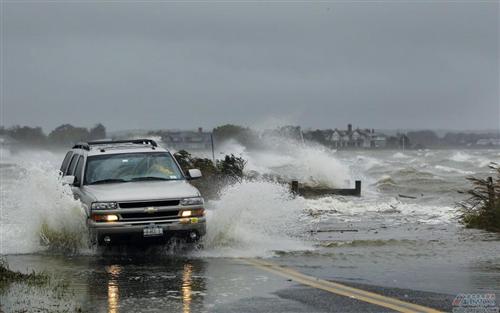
column 150, row 210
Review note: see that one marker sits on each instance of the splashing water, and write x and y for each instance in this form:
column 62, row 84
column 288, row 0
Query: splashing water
column 254, row 218
column 400, row 155
column 290, row 159
column 37, row 211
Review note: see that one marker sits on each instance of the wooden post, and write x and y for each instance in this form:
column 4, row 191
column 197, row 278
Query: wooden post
column 213, row 150
column 295, row 187
column 358, row 188
column 491, row 193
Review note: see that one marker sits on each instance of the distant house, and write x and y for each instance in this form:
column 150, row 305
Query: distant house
column 187, row 140
column 378, row 140
column 358, row 138
column 488, row 142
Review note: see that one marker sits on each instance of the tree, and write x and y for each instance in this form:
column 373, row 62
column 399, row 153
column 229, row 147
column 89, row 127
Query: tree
column 228, row 131
column 393, row 142
column 426, row 138
column 399, row 141
column 68, row 134
column 243, row 135
column 97, row 132
column 318, row 136
column 290, row 131
column 26, row 134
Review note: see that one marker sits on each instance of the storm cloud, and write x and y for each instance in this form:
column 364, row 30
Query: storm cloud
column 182, row 65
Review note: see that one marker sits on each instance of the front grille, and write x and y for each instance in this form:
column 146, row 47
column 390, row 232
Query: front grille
column 145, row 204
column 155, row 215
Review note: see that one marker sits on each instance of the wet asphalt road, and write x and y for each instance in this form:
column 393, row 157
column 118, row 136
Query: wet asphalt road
column 162, row 283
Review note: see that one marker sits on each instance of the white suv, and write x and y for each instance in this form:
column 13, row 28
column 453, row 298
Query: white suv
column 134, row 189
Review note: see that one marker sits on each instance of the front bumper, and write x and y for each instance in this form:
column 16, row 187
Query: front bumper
column 171, row 228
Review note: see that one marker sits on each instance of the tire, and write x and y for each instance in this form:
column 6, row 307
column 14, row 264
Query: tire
column 93, row 241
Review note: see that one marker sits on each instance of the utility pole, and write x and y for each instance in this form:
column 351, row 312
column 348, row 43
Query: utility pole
column 213, row 151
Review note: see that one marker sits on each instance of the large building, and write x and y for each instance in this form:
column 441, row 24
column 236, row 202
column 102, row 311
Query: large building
column 357, row 138
column 187, row 140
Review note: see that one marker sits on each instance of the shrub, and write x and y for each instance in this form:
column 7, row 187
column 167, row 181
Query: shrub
column 9, row 276
column 482, row 209
column 215, row 176
column 231, row 167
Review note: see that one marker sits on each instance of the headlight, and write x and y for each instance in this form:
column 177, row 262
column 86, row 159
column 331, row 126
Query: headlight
column 191, row 201
column 192, row 212
column 104, row 206
column 105, row 217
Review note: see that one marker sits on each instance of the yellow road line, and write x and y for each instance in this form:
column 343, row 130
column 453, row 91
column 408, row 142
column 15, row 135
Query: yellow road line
column 343, row 290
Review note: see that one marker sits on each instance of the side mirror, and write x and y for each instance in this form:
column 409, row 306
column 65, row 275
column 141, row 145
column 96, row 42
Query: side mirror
column 68, row 180
column 194, row 173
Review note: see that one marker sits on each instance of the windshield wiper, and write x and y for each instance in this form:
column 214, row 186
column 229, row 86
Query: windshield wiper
column 149, row 178
column 108, row 180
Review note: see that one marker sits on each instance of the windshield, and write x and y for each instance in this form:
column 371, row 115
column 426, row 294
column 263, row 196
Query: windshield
column 131, row 167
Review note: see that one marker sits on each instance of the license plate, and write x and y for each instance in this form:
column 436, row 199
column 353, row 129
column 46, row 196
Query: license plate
column 151, row 231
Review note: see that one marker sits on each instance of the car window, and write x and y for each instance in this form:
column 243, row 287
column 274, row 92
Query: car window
column 65, row 162
column 131, row 167
column 78, row 171
column 72, row 164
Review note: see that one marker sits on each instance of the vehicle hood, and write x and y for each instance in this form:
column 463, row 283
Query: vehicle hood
column 150, row 190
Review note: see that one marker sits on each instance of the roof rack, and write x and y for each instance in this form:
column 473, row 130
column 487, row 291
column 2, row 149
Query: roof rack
column 86, row 145
column 81, row 145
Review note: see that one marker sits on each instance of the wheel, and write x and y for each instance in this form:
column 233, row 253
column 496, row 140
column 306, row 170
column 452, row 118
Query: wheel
column 92, row 239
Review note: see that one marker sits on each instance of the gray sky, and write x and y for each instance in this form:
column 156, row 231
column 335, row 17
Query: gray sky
column 382, row 64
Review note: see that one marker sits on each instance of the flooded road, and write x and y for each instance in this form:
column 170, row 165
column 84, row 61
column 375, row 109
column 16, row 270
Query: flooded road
column 135, row 283
column 409, row 248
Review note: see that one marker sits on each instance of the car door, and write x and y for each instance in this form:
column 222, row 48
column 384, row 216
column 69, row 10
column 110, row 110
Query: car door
column 78, row 173
column 70, row 170
column 77, row 188
column 65, row 163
